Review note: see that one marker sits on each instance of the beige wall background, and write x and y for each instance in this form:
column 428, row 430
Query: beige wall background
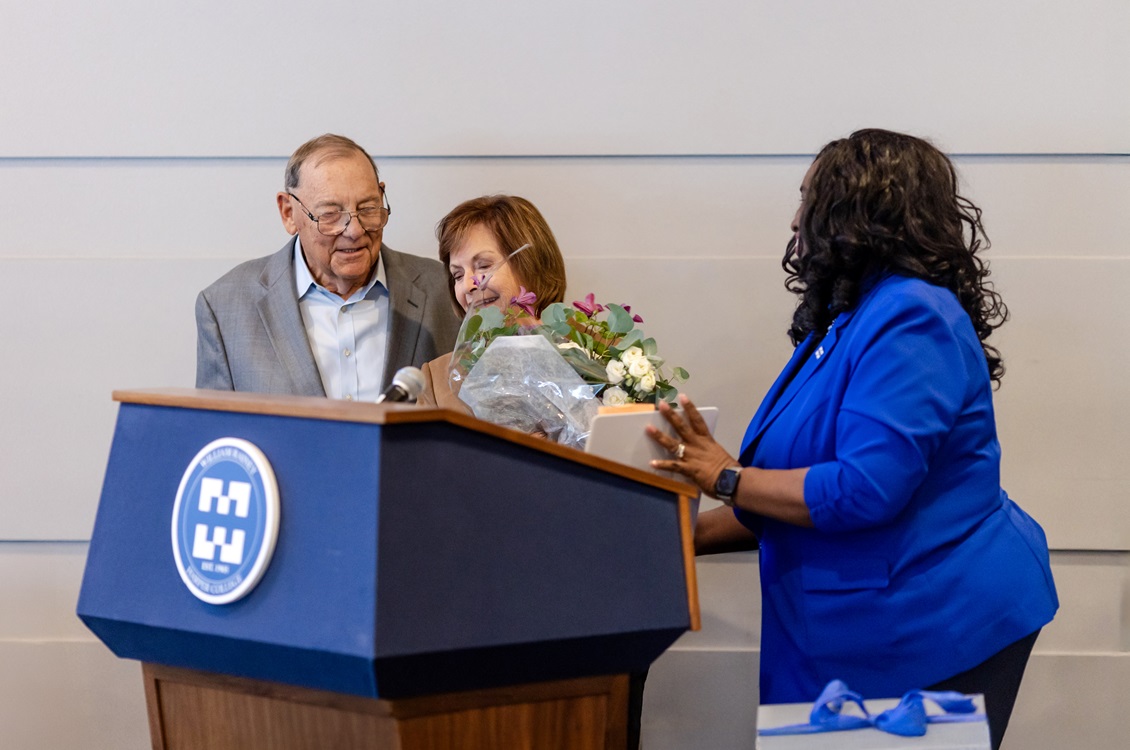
column 141, row 146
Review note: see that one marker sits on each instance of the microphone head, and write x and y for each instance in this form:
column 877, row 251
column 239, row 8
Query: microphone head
column 410, row 380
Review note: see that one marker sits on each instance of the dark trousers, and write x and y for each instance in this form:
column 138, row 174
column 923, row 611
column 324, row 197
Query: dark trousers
column 998, row 679
column 635, row 707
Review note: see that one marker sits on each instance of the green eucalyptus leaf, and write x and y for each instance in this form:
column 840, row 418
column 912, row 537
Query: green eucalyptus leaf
column 631, row 338
column 619, row 321
column 554, row 315
column 474, row 323
column 492, row 317
column 650, row 348
column 681, row 375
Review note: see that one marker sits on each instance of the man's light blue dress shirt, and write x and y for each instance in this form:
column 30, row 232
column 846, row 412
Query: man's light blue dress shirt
column 349, row 338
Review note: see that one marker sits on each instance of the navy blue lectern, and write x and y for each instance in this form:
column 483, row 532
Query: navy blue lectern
column 436, row 581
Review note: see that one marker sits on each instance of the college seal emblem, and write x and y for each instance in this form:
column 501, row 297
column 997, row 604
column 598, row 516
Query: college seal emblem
column 225, row 520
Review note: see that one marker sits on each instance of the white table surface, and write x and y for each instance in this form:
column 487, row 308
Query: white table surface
column 972, row 735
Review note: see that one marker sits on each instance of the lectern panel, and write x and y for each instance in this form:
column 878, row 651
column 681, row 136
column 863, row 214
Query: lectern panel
column 505, row 560
column 419, row 555
column 313, row 605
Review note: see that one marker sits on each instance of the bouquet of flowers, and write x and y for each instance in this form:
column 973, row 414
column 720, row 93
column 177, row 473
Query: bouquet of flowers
column 517, row 384
column 605, row 348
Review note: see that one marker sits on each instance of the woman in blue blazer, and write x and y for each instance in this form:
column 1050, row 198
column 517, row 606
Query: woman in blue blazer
column 870, row 476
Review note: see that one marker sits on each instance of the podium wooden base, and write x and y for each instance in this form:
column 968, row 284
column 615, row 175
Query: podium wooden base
column 191, row 710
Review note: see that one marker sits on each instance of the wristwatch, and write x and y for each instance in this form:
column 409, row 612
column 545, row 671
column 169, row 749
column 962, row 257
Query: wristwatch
column 727, row 484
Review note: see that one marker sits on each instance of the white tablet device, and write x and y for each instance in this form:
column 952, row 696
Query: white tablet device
column 621, row 437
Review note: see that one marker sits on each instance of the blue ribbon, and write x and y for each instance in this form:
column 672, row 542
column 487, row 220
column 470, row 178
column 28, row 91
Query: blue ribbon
column 907, row 719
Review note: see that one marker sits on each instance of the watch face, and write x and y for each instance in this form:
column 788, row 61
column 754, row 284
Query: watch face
column 727, row 483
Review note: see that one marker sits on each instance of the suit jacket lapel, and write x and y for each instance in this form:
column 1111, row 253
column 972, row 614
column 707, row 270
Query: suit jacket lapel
column 406, row 306
column 806, row 361
column 753, row 431
column 278, row 309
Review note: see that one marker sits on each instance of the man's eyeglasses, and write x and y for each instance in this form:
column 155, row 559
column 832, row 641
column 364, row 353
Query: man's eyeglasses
column 333, row 223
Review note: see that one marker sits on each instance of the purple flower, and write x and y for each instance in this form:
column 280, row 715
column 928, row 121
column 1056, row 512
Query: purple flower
column 635, row 318
column 478, row 281
column 589, row 307
column 525, row 300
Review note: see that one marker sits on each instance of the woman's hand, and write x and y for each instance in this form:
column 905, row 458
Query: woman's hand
column 695, row 454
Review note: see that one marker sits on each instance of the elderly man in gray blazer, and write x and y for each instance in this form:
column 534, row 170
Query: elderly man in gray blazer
column 334, row 312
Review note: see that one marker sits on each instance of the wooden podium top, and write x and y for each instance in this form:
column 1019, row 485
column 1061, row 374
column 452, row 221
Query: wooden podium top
column 316, row 407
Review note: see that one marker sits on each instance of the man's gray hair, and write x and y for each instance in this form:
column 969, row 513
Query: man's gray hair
column 326, row 146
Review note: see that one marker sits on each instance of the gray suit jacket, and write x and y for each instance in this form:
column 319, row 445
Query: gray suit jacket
column 250, row 335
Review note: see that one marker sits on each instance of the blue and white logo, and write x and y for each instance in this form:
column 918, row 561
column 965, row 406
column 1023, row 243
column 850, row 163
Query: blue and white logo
column 225, row 520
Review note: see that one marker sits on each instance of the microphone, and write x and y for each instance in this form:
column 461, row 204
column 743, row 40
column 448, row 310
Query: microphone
column 407, row 385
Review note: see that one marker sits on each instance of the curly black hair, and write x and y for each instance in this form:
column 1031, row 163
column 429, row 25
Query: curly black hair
column 883, row 202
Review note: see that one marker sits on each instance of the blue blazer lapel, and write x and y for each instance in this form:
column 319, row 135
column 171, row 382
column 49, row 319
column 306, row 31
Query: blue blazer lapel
column 800, row 353
column 805, row 362
column 278, row 309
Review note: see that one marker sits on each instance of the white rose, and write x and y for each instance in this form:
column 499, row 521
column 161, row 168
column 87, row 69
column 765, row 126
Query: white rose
column 646, row 384
column 631, row 354
column 616, row 371
column 615, row 396
column 639, row 368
